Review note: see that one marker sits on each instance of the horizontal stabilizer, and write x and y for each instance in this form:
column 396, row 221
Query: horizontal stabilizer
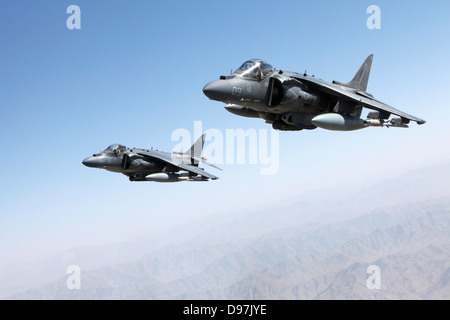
column 203, row 160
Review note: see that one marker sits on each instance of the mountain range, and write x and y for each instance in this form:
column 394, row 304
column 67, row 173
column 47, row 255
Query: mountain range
column 314, row 248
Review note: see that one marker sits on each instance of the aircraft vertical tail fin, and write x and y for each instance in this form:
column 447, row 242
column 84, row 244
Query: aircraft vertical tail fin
column 197, row 148
column 361, row 78
column 194, row 155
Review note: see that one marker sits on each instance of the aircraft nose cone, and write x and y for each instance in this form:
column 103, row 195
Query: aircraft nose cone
column 218, row 90
column 90, row 162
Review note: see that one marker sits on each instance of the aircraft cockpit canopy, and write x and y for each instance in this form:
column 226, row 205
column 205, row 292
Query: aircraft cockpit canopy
column 254, row 69
column 114, row 150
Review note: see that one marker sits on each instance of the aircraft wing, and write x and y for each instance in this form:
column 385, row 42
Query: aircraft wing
column 357, row 96
column 177, row 163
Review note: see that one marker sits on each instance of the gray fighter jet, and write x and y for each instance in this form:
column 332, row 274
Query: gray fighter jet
column 153, row 165
column 291, row 101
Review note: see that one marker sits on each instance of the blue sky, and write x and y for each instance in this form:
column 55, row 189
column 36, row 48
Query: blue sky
column 134, row 73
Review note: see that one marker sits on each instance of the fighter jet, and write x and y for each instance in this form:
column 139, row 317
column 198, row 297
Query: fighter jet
column 153, row 165
column 292, row 101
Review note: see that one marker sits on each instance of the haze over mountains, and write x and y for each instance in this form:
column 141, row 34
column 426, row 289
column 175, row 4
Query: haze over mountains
column 309, row 249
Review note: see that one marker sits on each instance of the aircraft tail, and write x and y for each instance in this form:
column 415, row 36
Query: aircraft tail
column 361, row 78
column 197, row 148
column 194, row 157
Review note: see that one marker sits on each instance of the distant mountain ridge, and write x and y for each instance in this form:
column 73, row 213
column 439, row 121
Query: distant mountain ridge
column 304, row 250
column 411, row 251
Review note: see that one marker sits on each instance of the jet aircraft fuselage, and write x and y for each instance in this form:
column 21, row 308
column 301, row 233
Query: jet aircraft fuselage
column 153, row 165
column 294, row 101
column 118, row 158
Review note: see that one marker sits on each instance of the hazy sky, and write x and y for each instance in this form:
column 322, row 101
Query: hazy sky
column 134, row 74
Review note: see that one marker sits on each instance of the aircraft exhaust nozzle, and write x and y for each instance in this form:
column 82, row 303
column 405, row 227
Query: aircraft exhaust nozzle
column 165, row 177
column 338, row 122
